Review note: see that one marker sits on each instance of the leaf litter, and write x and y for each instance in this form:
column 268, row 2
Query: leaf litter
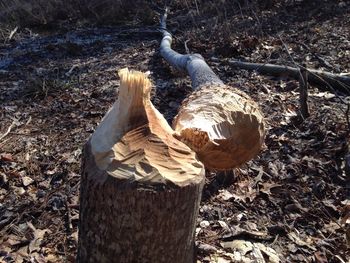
column 290, row 204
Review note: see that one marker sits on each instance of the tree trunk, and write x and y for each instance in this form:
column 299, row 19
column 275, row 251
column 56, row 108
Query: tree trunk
column 131, row 222
column 223, row 125
column 140, row 187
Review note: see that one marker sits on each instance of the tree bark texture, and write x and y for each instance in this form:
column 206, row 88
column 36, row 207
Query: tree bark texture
column 125, row 222
column 140, row 186
column 194, row 64
column 223, row 125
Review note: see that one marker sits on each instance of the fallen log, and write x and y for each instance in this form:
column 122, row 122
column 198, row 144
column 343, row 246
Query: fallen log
column 222, row 124
column 324, row 80
column 140, row 187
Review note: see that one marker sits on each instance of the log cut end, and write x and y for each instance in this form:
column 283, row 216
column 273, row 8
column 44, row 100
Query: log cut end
column 134, row 141
column 223, row 125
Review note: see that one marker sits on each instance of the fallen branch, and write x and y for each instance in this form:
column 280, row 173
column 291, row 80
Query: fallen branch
column 223, row 125
column 324, row 80
column 8, row 130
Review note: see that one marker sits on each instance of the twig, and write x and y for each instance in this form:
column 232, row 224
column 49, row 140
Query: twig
column 286, row 48
column 319, row 58
column 347, row 165
column 303, row 84
column 275, row 240
column 324, row 80
column 333, row 81
column 13, row 32
column 68, row 218
column 195, row 1
column 8, row 130
column 347, row 112
column 327, row 214
column 3, row 37
column 186, row 47
column 163, row 21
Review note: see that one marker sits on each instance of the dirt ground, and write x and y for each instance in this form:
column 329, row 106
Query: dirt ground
column 290, row 204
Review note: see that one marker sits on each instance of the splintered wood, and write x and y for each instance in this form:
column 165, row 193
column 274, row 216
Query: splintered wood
column 140, row 187
column 222, row 124
column 135, row 142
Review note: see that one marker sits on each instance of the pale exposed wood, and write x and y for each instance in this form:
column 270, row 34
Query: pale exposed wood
column 222, row 124
column 8, row 130
column 140, row 187
column 134, row 141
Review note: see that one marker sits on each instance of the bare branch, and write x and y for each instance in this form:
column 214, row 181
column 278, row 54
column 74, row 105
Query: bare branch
column 324, row 80
column 198, row 70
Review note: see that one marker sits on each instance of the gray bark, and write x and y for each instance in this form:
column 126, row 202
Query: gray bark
column 220, row 123
column 125, row 222
column 198, row 70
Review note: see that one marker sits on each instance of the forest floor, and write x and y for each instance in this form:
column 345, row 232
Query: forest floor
column 290, row 204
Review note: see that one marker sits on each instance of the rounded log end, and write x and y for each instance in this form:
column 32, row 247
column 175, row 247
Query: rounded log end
column 134, row 142
column 222, row 125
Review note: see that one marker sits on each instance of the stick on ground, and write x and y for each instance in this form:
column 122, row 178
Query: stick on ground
column 324, row 80
column 303, row 86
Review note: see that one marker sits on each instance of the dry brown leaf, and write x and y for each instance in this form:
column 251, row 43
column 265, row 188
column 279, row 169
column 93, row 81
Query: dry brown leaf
column 331, row 227
column 241, row 246
column 266, row 187
column 6, row 157
column 320, row 257
column 271, row 254
column 225, row 195
column 27, row 181
column 35, row 243
column 293, row 236
column 255, row 250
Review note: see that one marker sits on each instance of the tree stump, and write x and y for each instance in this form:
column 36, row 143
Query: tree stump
column 140, row 187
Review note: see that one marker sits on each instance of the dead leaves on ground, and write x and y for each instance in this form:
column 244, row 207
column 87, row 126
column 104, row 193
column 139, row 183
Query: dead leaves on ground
column 288, row 205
